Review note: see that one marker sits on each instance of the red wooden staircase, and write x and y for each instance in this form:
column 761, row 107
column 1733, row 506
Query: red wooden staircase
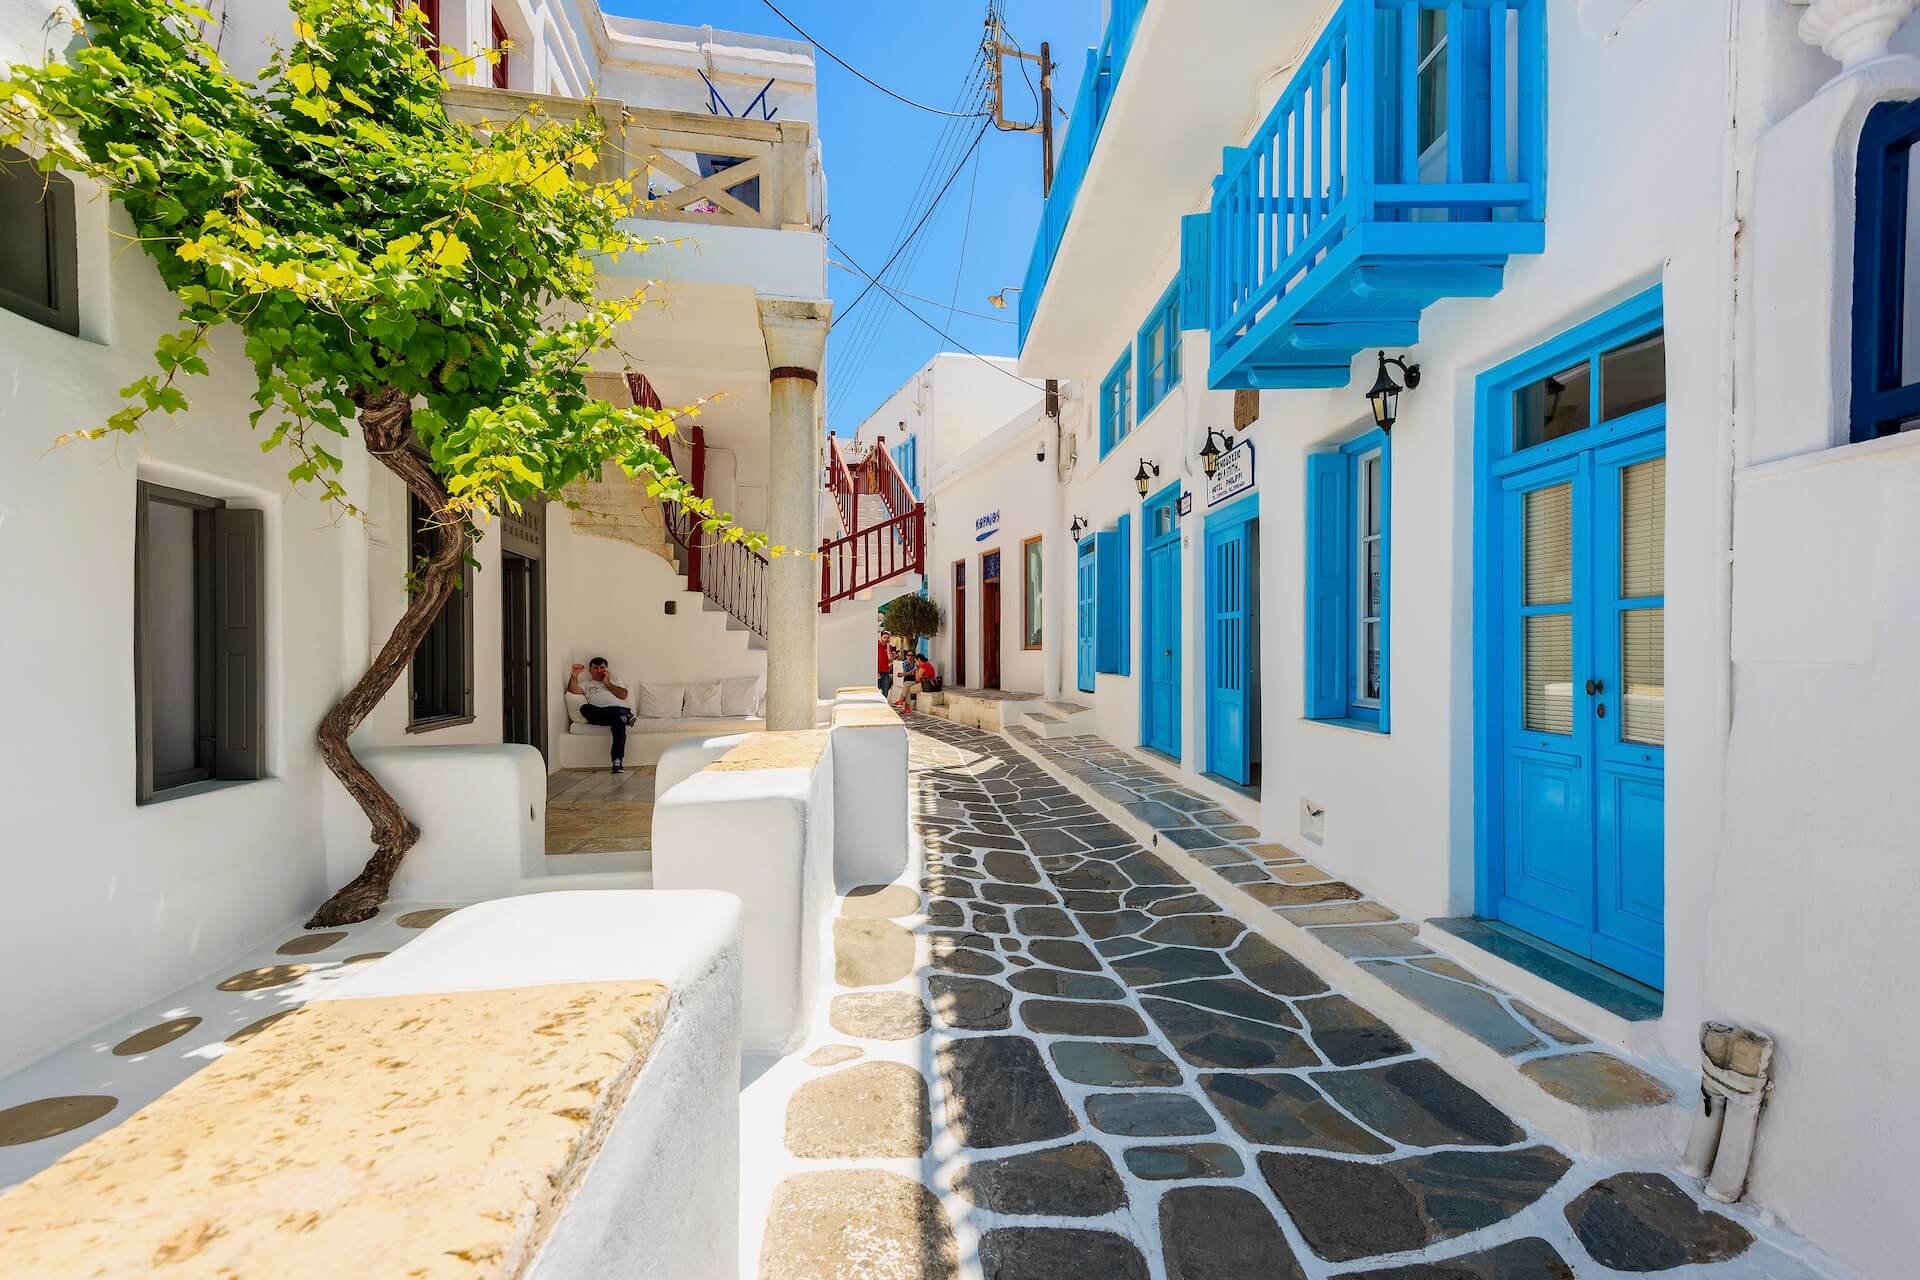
column 883, row 525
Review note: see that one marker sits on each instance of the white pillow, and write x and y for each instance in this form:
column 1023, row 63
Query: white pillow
column 740, row 696
column 662, row 701
column 575, row 701
column 703, row 700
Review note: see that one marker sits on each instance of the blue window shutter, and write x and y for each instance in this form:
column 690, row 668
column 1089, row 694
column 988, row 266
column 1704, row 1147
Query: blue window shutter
column 1110, row 601
column 1124, row 574
column 1328, row 585
column 1195, row 266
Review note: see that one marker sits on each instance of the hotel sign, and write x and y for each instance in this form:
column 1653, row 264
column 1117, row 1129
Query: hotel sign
column 1233, row 475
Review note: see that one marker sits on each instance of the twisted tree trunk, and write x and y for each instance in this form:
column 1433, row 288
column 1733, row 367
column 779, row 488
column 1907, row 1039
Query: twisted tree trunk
column 386, row 423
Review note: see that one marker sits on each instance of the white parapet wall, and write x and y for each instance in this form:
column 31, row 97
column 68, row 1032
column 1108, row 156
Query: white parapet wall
column 661, row 1200
column 481, row 810
column 758, row 823
column 869, row 790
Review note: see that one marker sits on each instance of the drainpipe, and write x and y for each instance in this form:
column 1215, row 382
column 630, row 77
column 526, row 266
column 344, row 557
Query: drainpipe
column 1735, row 1069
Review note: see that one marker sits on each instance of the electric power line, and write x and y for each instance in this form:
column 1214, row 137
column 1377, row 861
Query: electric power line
column 966, row 234
column 942, row 333
column 932, row 302
column 859, row 73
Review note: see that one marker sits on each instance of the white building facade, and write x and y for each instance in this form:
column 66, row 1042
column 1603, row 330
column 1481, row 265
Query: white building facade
column 1588, row 657
column 181, row 861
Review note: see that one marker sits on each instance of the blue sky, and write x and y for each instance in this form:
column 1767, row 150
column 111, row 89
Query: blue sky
column 876, row 150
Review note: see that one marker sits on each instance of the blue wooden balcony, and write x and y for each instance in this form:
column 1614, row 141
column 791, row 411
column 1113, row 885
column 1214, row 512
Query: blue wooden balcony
column 1102, row 77
column 1405, row 162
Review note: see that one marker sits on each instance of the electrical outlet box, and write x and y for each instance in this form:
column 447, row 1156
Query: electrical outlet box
column 1313, row 821
column 673, row 607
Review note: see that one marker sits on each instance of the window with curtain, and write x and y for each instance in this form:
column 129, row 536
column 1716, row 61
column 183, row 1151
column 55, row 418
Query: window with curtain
column 1349, row 535
column 1159, row 351
column 1886, row 287
column 1116, row 404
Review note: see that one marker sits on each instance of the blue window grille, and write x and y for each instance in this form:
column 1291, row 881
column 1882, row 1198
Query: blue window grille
column 1116, row 404
column 1159, row 350
column 1349, row 543
column 1886, row 296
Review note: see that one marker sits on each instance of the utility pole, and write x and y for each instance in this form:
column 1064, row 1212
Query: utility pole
column 998, row 51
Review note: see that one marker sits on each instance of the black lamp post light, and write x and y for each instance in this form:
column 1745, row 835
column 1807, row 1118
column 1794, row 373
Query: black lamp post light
column 1210, row 452
column 1385, row 396
column 1141, row 480
column 1078, row 527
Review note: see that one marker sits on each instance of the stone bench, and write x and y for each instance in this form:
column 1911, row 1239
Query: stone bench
column 540, row 1087
column 869, row 793
column 758, row 822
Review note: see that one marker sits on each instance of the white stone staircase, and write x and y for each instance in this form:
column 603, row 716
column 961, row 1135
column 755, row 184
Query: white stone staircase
column 1059, row 720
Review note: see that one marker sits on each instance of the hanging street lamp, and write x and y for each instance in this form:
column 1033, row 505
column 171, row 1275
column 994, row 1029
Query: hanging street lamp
column 1385, row 396
column 1077, row 528
column 1210, row 452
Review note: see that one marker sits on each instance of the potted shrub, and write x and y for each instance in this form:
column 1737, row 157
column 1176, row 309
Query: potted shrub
column 910, row 619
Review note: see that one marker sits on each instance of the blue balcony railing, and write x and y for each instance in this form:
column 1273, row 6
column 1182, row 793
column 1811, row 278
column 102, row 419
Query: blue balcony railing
column 1097, row 86
column 1404, row 162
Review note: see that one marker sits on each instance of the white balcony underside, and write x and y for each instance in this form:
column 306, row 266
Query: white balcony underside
column 1155, row 161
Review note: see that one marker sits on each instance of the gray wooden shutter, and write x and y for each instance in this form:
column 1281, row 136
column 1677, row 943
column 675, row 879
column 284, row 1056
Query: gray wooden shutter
column 239, row 651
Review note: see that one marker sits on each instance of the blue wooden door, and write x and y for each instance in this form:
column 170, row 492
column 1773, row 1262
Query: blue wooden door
column 1582, row 827
column 1230, row 656
column 1160, row 625
column 1085, row 570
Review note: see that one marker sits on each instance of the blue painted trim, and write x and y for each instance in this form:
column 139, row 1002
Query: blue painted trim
column 1227, row 756
column 1116, row 403
column 1500, row 470
column 1196, row 268
column 1239, row 511
column 1123, row 529
column 1168, row 497
column 1881, row 401
column 1156, row 382
column 1333, row 582
column 1086, row 586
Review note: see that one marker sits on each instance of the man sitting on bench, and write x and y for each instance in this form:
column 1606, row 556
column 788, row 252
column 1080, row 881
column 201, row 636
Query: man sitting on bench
column 606, row 703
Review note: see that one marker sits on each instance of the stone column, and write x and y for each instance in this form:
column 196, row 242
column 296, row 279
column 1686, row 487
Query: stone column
column 1853, row 32
column 796, row 334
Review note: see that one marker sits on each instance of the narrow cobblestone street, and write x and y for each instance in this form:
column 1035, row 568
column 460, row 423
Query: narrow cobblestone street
column 1053, row 1058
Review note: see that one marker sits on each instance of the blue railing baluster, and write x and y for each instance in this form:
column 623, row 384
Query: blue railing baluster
column 1497, row 170
column 1456, row 92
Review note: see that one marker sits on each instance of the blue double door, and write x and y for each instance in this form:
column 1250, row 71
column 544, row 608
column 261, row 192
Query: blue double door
column 1580, row 833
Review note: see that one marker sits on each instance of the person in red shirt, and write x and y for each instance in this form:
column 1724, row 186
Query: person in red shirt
column 885, row 661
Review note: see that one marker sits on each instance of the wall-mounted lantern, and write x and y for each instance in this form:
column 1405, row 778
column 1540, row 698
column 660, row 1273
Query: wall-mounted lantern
column 999, row 300
column 1077, row 528
column 1141, row 480
column 1210, row 452
column 1385, row 396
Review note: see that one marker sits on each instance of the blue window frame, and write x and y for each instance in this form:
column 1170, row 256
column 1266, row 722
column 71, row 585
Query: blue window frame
column 1159, row 350
column 1348, row 573
column 1886, row 287
column 1116, row 404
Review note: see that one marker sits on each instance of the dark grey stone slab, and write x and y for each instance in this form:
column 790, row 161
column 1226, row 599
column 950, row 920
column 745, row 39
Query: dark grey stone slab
column 1184, row 1160
column 1156, row 815
column 1472, row 1009
column 1077, row 1181
column 1052, row 841
column 1017, row 895
column 1266, row 965
column 1642, row 1222
column 1070, row 986
column 1619, row 996
column 1530, row 1259
column 1209, row 1039
column 1223, row 1233
column 946, row 914
column 1012, row 868
column 1245, row 874
column 1181, row 799
column 1105, row 924
column 1093, row 900
column 1347, row 1035
column 1230, row 995
column 1093, row 875
column 1278, row 1110
column 945, row 940
column 1059, row 1253
column 974, row 963
column 1148, row 1115
column 1113, row 1066
column 1070, row 1018
column 1147, row 894
column 1185, row 904
column 1144, row 868
column 1196, row 931
column 1419, row 1104
column 1410, row 1203
column 1062, row 954
column 1044, row 922
column 999, row 1092
column 1114, row 947
column 1169, row 964
column 983, row 839
column 971, row 1004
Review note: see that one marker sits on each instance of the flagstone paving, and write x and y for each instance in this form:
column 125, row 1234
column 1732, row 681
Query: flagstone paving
column 1115, row 1078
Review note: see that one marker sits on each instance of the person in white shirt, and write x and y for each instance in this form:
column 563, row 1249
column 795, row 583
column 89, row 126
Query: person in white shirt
column 606, row 703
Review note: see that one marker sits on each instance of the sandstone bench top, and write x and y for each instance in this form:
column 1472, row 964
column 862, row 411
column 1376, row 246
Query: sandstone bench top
column 790, row 749
column 866, row 715
column 411, row 1135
